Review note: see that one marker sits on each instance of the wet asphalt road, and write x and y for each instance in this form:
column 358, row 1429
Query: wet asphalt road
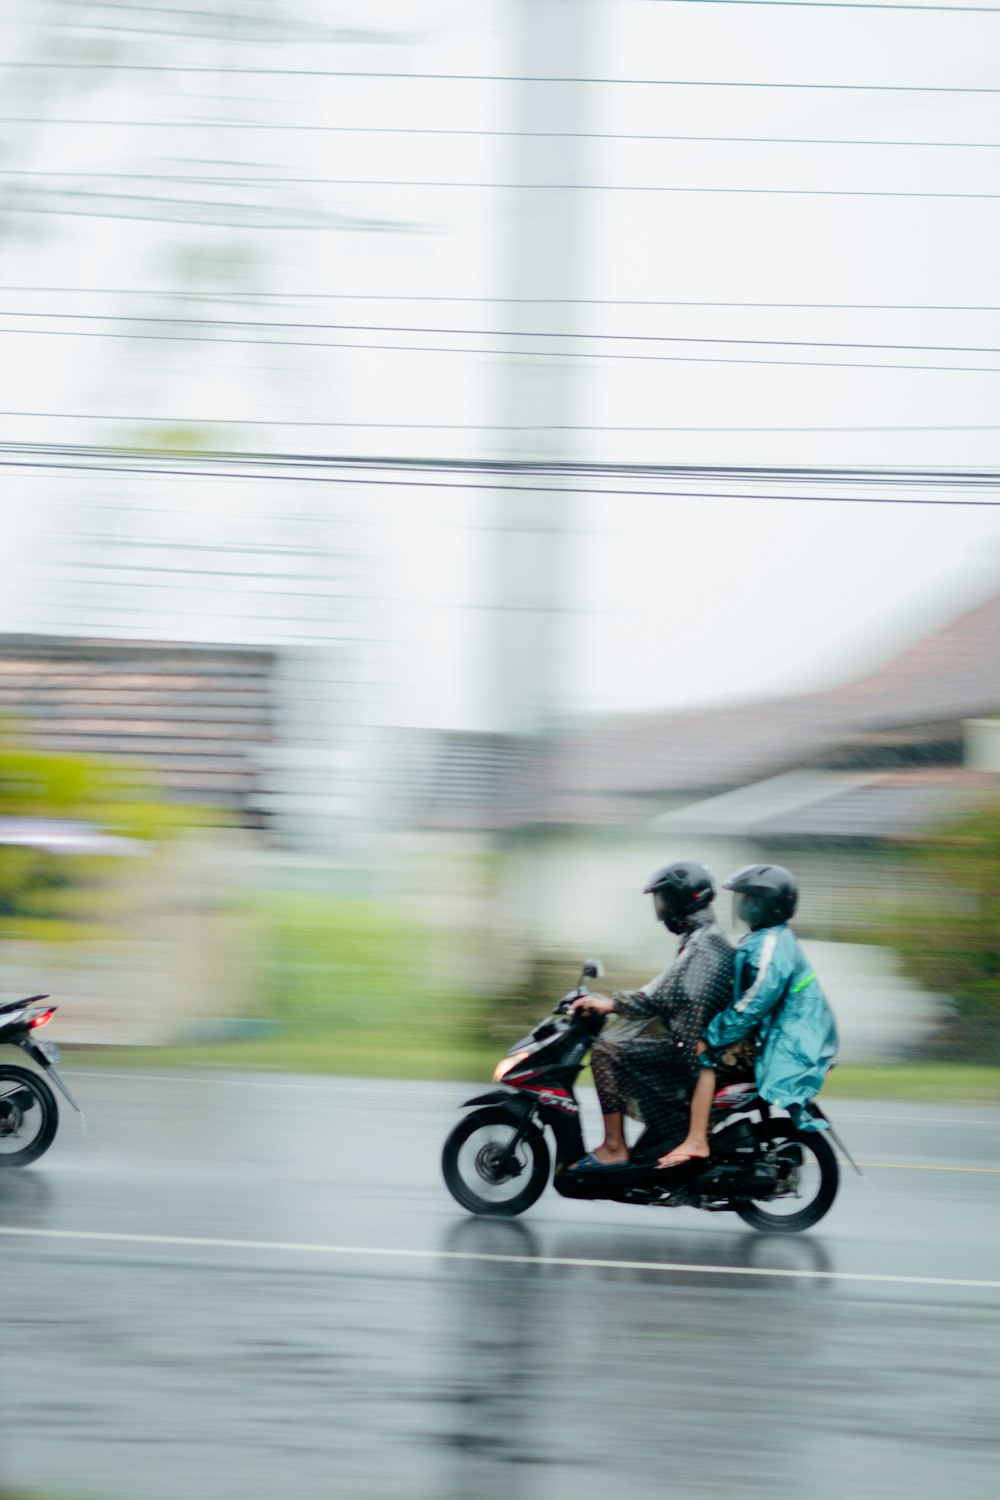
column 289, row 1363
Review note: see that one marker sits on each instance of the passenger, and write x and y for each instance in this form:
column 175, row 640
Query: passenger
column 778, row 1003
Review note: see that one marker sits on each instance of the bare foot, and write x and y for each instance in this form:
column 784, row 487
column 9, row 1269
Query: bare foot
column 693, row 1149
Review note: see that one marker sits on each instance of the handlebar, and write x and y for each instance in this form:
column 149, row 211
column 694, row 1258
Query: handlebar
column 589, row 1022
column 566, row 1003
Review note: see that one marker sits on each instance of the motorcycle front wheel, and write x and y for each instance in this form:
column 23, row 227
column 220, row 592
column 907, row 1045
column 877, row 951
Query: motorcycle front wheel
column 809, row 1177
column 29, row 1116
column 483, row 1175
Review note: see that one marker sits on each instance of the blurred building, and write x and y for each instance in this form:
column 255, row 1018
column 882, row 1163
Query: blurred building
column 214, row 631
column 199, row 719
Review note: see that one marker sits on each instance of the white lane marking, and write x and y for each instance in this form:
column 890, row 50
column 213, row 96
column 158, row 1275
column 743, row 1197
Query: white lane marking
column 293, row 1247
column 843, row 1114
column 442, row 1086
column 918, row 1166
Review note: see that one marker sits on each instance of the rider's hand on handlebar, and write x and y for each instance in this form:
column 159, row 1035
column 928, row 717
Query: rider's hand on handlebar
column 599, row 1005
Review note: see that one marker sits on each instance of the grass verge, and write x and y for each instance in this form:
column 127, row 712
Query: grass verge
column 363, row 1053
column 378, row 1053
column 940, row 1083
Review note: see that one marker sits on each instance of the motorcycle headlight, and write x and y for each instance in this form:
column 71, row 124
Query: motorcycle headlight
column 507, row 1064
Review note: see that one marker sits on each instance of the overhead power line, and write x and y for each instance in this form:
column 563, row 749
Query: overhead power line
column 842, row 5
column 397, row 76
column 586, row 135
column 316, row 34
column 540, row 187
column 153, row 419
column 231, row 296
column 281, row 32
column 523, row 333
column 402, row 463
column 504, row 353
column 503, row 478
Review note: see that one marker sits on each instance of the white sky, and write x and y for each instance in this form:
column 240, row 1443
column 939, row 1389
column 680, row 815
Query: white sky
column 776, row 593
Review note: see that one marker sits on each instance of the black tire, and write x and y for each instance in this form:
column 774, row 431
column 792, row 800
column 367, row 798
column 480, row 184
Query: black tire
column 43, row 1099
column 810, row 1141
column 461, row 1176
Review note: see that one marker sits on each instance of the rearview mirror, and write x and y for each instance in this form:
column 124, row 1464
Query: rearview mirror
column 592, row 968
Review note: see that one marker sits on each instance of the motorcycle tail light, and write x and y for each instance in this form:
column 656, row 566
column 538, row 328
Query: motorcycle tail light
column 507, row 1065
column 42, row 1019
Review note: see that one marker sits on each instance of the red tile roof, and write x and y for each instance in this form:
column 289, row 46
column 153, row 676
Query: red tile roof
column 193, row 715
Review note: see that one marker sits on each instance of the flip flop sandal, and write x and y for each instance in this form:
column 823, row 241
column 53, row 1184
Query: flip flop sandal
column 591, row 1163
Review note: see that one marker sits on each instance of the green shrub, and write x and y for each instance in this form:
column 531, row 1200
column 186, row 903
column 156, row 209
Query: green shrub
column 947, row 931
column 340, row 962
column 39, row 887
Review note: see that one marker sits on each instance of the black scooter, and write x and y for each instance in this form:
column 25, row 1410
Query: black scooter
column 29, row 1117
column 496, row 1161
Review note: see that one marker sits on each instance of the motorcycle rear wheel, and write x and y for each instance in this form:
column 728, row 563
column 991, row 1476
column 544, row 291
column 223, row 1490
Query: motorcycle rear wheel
column 471, row 1156
column 22, row 1093
column 824, row 1177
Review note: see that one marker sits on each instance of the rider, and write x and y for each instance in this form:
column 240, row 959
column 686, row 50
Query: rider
column 649, row 1070
column 778, row 1002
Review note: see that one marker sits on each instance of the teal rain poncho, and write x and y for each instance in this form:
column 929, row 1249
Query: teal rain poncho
column 780, row 1004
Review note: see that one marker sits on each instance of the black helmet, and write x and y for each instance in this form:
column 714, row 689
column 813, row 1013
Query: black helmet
column 679, row 890
column 765, row 895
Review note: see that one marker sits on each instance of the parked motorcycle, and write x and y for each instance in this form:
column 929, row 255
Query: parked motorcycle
column 496, row 1161
column 29, row 1117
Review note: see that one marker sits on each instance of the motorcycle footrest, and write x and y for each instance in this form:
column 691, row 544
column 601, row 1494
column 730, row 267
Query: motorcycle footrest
column 614, row 1182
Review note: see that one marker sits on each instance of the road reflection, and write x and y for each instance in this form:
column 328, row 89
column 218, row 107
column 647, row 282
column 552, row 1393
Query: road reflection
column 583, row 1368
column 25, row 1198
column 754, row 1251
column 494, row 1390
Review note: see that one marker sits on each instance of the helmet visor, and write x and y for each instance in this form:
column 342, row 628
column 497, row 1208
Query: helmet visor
column 749, row 909
column 669, row 908
column 662, row 905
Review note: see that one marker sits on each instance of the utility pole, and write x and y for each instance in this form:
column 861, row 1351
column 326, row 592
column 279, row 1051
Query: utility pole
column 540, row 397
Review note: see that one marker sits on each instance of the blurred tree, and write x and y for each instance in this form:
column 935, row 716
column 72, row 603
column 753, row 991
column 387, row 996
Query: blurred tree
column 43, row 890
column 947, row 933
